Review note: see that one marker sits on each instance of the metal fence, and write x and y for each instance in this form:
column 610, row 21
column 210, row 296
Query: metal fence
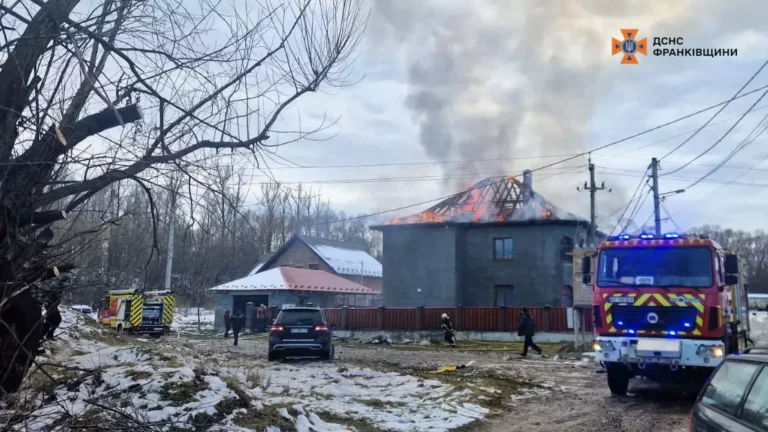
column 502, row 319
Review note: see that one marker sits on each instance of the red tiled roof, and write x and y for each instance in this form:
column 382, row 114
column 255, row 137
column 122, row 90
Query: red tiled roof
column 295, row 279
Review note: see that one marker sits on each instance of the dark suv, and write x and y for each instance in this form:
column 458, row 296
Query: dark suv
column 300, row 332
column 736, row 397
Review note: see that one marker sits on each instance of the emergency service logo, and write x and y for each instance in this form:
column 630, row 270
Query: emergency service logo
column 629, row 47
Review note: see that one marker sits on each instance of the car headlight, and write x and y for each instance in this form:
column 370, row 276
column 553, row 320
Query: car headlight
column 604, row 346
column 596, row 346
column 710, row 350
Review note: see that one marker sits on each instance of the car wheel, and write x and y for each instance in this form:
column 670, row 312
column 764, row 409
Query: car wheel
column 272, row 356
column 618, row 379
column 329, row 353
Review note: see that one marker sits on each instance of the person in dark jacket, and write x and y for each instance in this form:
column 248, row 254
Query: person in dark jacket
column 227, row 323
column 527, row 328
column 51, row 303
column 52, row 314
column 238, row 320
column 448, row 332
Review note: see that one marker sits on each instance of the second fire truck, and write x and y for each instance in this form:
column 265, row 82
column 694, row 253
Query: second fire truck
column 667, row 309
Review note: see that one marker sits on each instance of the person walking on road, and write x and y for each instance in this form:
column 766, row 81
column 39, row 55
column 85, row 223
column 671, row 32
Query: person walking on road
column 238, row 320
column 527, row 328
column 227, row 323
column 448, row 332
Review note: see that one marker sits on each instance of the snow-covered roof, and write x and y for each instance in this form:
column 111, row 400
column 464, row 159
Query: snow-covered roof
column 346, row 259
column 757, row 296
column 295, row 279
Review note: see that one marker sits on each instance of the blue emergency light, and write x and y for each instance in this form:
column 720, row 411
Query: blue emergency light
column 646, row 236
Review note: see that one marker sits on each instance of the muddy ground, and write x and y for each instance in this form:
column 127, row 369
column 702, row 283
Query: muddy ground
column 557, row 393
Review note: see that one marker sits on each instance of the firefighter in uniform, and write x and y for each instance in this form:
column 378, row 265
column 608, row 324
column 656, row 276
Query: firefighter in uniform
column 448, row 333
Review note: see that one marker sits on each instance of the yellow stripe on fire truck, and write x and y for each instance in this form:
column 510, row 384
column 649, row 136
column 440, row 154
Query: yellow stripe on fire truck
column 137, row 305
column 656, row 299
column 169, row 304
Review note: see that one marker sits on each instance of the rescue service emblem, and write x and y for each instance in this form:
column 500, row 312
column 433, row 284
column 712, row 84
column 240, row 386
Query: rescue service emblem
column 652, row 318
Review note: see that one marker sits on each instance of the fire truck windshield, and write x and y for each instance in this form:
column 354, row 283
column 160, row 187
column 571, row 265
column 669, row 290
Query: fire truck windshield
column 689, row 267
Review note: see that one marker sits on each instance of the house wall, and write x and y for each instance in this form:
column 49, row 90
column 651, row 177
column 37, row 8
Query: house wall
column 419, row 258
column 299, row 254
column 455, row 265
column 536, row 270
column 224, row 301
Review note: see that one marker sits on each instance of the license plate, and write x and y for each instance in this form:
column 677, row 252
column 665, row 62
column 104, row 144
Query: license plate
column 299, row 330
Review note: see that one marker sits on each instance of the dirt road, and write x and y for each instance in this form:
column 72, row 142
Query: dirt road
column 539, row 394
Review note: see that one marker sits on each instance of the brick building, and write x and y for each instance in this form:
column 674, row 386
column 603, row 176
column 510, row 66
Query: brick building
column 498, row 243
column 343, row 260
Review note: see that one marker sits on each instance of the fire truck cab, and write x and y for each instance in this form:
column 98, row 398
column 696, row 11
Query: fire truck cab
column 667, row 309
column 136, row 311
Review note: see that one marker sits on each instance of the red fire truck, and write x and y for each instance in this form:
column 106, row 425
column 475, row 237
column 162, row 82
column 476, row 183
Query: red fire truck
column 667, row 309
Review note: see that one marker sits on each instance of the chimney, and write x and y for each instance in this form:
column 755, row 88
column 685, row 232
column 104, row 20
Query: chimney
column 528, row 181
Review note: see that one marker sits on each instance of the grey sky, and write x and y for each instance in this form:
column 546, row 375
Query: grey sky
column 450, row 80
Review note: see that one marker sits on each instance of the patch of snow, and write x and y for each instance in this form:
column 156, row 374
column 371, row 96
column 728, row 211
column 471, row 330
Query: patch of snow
column 185, row 320
column 758, row 325
column 349, row 261
column 410, row 402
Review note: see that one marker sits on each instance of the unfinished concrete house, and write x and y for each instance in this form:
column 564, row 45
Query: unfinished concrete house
column 497, row 244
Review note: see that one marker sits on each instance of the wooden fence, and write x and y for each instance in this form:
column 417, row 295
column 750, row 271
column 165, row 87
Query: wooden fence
column 502, row 319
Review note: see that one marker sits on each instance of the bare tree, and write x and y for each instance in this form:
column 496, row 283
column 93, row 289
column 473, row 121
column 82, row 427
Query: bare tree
column 180, row 85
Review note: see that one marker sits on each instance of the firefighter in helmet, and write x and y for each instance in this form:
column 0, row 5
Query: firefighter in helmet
column 448, row 333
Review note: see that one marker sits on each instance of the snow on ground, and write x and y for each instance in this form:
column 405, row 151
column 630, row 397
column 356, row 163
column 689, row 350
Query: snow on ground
column 111, row 379
column 758, row 324
column 388, row 400
column 185, row 320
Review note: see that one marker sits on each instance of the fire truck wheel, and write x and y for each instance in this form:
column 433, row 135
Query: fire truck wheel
column 618, row 379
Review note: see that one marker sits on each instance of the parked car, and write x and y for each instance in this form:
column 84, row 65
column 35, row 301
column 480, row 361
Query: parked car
column 82, row 309
column 736, row 397
column 300, row 332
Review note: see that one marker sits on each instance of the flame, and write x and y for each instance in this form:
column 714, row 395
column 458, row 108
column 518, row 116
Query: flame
column 477, row 204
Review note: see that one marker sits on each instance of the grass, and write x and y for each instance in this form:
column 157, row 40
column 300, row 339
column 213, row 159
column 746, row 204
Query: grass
column 358, row 425
column 501, row 387
column 380, row 404
column 256, row 378
column 181, row 393
column 261, row 420
column 138, row 375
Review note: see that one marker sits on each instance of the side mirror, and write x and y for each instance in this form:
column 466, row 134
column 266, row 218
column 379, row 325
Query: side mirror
column 586, row 265
column 731, row 279
column 732, row 264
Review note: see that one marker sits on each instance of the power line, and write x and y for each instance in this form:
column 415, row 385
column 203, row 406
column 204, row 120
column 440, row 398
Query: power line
column 636, row 210
column 722, row 137
column 610, row 144
column 748, row 140
column 717, row 113
column 573, row 155
column 637, row 189
column 669, row 216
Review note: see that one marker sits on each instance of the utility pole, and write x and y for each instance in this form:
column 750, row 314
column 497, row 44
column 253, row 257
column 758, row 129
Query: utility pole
column 169, row 253
column 579, row 313
column 592, row 188
column 656, row 200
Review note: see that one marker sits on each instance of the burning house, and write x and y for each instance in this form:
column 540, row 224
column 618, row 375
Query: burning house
column 498, row 243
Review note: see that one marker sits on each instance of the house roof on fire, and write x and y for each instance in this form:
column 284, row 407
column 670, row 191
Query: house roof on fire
column 295, row 279
column 493, row 200
column 344, row 258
